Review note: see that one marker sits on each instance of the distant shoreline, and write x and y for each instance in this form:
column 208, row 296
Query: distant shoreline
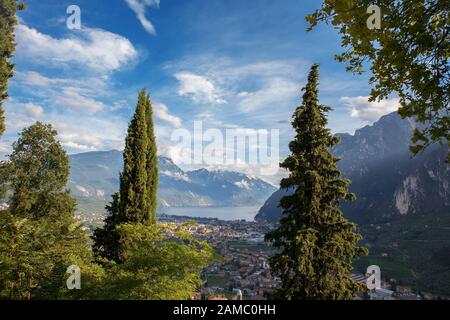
column 225, row 213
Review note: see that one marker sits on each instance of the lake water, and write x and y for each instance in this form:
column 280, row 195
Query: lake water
column 222, row 213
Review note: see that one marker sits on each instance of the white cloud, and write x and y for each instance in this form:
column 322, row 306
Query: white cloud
column 5, row 148
column 20, row 115
column 34, row 79
column 92, row 85
column 78, row 132
column 139, row 6
column 16, row 121
column 199, row 88
column 97, row 54
column 266, row 69
column 95, row 49
column 72, row 98
column 161, row 112
column 79, row 141
column 33, row 110
column 119, row 105
column 369, row 112
column 275, row 92
column 270, row 86
column 81, row 134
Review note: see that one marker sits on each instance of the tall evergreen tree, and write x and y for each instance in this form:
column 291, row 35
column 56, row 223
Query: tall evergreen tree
column 39, row 237
column 8, row 22
column 133, row 206
column 135, row 203
column 317, row 243
column 152, row 165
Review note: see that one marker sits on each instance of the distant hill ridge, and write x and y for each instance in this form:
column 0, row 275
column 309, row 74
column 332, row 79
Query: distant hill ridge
column 94, row 176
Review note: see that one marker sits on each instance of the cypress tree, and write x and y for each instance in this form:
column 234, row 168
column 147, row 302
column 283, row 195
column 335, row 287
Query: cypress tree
column 133, row 184
column 8, row 22
column 152, row 165
column 136, row 201
column 317, row 243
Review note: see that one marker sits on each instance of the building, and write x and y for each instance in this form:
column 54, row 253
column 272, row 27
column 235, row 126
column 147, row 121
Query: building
column 381, row 294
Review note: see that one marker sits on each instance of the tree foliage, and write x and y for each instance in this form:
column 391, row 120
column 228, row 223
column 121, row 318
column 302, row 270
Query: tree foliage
column 106, row 239
column 317, row 243
column 8, row 22
column 408, row 56
column 152, row 164
column 133, row 183
column 39, row 236
column 139, row 179
column 37, row 171
column 162, row 262
column 136, row 200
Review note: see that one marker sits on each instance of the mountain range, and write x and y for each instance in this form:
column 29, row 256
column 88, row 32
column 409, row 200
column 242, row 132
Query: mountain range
column 388, row 181
column 94, row 178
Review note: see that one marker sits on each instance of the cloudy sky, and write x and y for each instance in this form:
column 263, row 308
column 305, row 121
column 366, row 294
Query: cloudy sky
column 230, row 63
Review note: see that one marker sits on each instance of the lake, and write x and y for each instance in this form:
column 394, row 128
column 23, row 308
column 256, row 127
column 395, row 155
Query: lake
column 222, row 213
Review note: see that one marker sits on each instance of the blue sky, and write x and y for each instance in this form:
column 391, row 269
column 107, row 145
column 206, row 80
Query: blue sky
column 230, row 63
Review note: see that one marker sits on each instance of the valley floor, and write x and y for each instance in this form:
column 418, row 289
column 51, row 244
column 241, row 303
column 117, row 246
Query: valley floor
column 413, row 256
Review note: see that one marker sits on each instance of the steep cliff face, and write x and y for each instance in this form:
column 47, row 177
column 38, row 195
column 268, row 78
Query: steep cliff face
column 426, row 188
column 387, row 180
column 407, row 194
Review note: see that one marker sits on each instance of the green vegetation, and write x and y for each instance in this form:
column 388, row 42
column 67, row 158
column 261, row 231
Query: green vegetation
column 39, row 237
column 414, row 250
column 418, row 33
column 136, row 200
column 106, row 239
column 318, row 244
column 133, row 203
column 162, row 262
column 151, row 164
column 8, row 21
column 88, row 206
